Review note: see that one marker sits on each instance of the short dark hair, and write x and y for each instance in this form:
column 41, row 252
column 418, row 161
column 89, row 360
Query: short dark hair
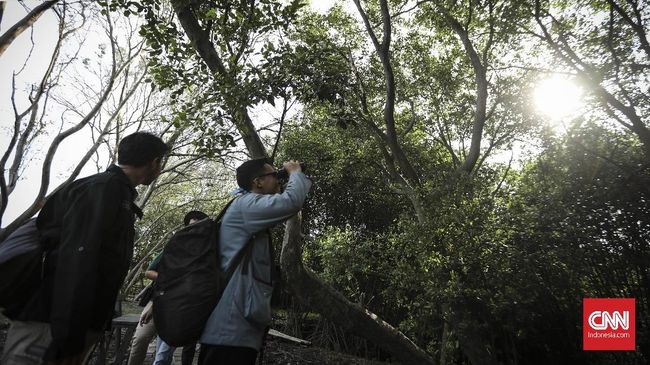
column 195, row 214
column 249, row 170
column 140, row 148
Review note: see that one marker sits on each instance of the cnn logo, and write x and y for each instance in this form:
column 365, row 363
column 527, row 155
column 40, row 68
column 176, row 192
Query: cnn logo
column 602, row 320
column 609, row 324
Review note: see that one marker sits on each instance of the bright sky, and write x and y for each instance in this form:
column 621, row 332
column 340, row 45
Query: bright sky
column 11, row 61
column 44, row 35
column 556, row 97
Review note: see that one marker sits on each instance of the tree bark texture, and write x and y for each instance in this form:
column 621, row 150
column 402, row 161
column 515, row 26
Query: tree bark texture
column 383, row 52
column 480, row 78
column 26, row 22
column 203, row 45
column 320, row 297
column 2, row 11
column 303, row 283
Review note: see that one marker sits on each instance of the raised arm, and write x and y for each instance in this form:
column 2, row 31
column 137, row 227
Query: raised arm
column 262, row 211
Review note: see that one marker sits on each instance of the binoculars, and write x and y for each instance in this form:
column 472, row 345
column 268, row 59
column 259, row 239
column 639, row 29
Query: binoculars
column 283, row 174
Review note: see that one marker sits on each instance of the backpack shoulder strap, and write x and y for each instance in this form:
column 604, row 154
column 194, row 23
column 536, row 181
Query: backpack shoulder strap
column 244, row 250
column 223, row 211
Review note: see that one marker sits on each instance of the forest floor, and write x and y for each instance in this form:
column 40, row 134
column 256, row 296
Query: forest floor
column 277, row 351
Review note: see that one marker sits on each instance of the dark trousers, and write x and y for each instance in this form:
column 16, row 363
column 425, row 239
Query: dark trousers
column 188, row 354
column 226, row 355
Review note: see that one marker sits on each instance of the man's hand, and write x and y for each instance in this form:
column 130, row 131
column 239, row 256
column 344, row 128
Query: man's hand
column 147, row 314
column 151, row 275
column 292, row 166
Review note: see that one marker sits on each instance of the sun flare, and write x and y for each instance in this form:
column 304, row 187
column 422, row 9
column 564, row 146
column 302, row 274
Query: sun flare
column 558, row 97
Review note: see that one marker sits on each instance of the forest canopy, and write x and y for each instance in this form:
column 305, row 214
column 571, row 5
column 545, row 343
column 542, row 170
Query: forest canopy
column 479, row 166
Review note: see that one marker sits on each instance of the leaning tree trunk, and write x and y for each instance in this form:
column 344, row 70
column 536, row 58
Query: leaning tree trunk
column 321, row 298
column 303, row 283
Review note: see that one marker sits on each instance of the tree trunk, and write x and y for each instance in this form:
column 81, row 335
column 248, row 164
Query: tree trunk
column 24, row 23
column 2, row 11
column 303, row 284
column 480, row 78
column 335, row 307
column 592, row 76
column 383, row 52
column 201, row 42
column 444, row 344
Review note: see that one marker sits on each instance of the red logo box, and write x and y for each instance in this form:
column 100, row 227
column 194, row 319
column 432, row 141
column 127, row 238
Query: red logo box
column 608, row 324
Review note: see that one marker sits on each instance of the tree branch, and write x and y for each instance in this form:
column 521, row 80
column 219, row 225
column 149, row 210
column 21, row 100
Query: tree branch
column 480, row 77
column 201, row 42
column 638, row 28
column 12, row 33
column 285, row 109
column 389, row 80
column 46, row 168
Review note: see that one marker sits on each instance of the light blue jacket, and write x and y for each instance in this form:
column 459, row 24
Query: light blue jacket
column 244, row 310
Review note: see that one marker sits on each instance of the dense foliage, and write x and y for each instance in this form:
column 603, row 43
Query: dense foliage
column 442, row 201
column 508, row 252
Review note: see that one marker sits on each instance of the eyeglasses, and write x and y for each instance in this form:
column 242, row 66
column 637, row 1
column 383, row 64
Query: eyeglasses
column 274, row 174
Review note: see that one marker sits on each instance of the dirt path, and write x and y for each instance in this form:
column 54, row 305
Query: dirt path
column 277, row 351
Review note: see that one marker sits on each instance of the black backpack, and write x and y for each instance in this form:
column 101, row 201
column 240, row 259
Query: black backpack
column 190, row 282
column 21, row 258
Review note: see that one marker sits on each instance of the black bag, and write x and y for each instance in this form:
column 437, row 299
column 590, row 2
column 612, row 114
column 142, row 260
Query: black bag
column 190, row 282
column 21, row 264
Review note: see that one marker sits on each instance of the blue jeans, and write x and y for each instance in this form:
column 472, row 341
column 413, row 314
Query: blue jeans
column 164, row 353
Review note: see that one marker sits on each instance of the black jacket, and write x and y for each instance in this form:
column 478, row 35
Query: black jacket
column 89, row 226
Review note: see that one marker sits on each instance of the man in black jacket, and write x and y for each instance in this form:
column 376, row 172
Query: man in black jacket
column 89, row 226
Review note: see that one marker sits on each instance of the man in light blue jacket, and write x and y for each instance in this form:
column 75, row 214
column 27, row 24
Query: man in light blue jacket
column 235, row 329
